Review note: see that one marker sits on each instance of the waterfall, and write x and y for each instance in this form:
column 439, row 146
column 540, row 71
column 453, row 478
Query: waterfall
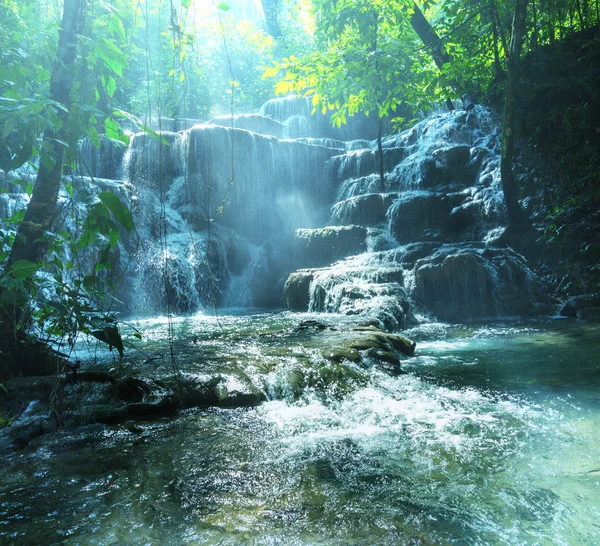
column 226, row 211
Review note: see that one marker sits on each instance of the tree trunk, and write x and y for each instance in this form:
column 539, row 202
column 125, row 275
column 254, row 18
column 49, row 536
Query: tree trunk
column 517, row 220
column 271, row 11
column 380, row 153
column 434, row 44
column 30, row 242
column 497, row 62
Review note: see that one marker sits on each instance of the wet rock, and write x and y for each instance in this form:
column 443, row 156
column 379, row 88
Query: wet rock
column 386, row 304
column 589, row 314
column 468, row 283
column 255, row 123
column 194, row 216
column 100, row 162
column 131, row 389
column 374, row 338
column 22, row 434
column 221, row 390
column 323, row 246
column 412, row 216
column 297, row 290
column 577, row 303
column 465, row 219
column 364, row 210
column 310, row 325
column 339, row 354
column 153, row 164
column 448, row 165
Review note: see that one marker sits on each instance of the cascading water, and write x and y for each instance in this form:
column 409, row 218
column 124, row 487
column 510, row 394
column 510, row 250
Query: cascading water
column 255, row 189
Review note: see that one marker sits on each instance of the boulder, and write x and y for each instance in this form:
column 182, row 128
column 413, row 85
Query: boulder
column 297, row 290
column 577, row 303
column 448, row 165
column 255, row 123
column 465, row 220
column 364, row 210
column 323, row 246
column 468, row 283
column 422, row 216
column 384, row 305
column 589, row 314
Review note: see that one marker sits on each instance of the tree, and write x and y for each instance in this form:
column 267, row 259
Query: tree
column 271, row 10
column 31, row 242
column 363, row 61
column 517, row 220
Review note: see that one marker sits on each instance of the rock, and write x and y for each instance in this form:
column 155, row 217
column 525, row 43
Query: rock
column 296, row 291
column 194, row 216
column 255, row 123
column 448, row 165
column 310, row 326
column 469, row 283
column 339, row 354
column 152, row 164
column 324, row 246
column 465, row 219
column 364, row 210
column 412, row 216
column 589, row 314
column 376, row 339
column 385, row 304
column 131, row 389
column 576, row 303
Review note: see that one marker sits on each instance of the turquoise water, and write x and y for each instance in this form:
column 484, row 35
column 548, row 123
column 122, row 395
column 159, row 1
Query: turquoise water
column 491, row 438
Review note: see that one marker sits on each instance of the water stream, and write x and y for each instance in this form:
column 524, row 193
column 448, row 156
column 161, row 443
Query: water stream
column 491, row 438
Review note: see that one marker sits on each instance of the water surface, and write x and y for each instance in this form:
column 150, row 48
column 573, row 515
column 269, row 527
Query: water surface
column 491, row 438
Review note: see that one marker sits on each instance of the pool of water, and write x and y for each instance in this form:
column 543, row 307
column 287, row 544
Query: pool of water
column 492, row 437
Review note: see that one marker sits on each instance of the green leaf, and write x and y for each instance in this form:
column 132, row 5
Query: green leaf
column 187, row 3
column 23, row 269
column 223, row 6
column 112, row 128
column 111, row 336
column 121, row 212
column 8, row 127
column 152, row 133
column 22, row 156
column 89, row 281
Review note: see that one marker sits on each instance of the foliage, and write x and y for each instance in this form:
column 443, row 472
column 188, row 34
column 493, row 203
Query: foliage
column 364, row 61
column 62, row 295
column 65, row 294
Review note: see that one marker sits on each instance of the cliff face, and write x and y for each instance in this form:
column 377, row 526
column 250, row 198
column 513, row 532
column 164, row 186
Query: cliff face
column 559, row 128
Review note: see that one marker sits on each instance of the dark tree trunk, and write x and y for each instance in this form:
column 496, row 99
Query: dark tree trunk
column 30, row 243
column 380, row 153
column 517, row 220
column 434, row 44
column 497, row 62
column 271, row 11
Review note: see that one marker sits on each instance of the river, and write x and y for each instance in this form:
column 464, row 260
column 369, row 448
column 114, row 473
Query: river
column 490, row 438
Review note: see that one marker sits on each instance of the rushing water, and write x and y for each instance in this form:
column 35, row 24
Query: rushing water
column 491, row 438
